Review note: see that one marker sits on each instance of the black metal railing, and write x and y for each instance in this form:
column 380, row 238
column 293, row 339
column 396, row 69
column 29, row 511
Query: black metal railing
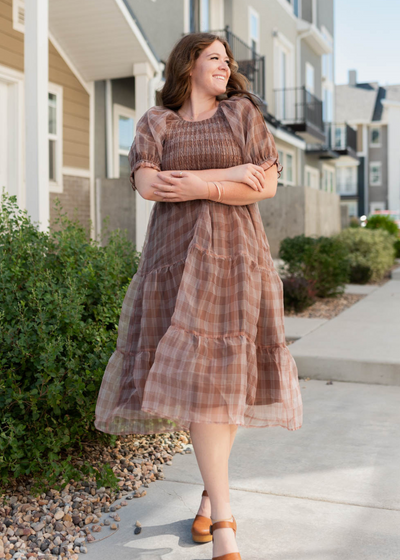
column 251, row 64
column 341, row 136
column 297, row 106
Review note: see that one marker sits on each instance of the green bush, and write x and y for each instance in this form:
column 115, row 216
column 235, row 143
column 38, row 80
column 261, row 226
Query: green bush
column 320, row 260
column 397, row 248
column 369, row 250
column 382, row 221
column 354, row 222
column 298, row 293
column 60, row 300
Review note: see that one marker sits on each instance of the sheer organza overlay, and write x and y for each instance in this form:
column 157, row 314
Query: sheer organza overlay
column 201, row 333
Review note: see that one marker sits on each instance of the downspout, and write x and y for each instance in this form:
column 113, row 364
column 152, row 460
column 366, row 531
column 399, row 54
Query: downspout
column 109, row 131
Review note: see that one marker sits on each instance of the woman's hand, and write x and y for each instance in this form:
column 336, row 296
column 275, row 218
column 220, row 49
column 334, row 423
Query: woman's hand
column 252, row 175
column 174, row 187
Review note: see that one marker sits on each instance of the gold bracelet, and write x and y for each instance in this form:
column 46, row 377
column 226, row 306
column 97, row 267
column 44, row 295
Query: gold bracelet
column 219, row 191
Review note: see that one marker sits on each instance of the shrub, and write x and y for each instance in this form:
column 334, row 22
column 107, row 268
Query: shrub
column 382, row 221
column 321, row 260
column 60, row 300
column 298, row 293
column 368, row 250
column 354, row 222
column 397, row 248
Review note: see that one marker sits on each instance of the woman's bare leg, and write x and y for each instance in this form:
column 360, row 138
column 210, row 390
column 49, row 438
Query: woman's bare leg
column 212, row 444
column 205, row 505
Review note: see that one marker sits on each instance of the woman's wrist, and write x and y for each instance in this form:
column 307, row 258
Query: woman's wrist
column 215, row 191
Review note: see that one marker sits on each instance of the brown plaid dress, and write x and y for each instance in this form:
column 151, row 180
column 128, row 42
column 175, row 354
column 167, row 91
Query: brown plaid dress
column 201, row 334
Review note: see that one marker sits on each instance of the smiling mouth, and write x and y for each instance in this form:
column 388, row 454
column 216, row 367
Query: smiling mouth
column 219, row 78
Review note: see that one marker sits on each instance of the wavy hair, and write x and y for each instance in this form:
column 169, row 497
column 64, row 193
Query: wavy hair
column 178, row 86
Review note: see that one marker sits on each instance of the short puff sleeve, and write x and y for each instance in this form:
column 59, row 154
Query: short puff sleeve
column 252, row 133
column 146, row 149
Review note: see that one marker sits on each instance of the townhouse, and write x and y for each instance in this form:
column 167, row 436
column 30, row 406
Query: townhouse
column 53, row 53
column 374, row 111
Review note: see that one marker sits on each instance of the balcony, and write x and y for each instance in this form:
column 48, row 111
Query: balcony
column 251, row 64
column 341, row 141
column 301, row 111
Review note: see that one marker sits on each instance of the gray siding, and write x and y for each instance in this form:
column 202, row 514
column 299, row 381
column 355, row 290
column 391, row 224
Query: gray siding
column 379, row 194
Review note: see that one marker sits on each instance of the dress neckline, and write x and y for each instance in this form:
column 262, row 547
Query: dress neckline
column 203, row 120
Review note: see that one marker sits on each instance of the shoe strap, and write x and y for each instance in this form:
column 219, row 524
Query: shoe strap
column 222, row 524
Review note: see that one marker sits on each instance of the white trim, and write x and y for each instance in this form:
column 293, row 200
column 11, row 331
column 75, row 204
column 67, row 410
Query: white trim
column 76, row 172
column 92, row 123
column 379, row 165
column 288, row 7
column 68, row 62
column 57, row 186
column 120, row 110
column 132, row 24
column 252, row 12
column 16, row 133
column 283, row 160
column 186, row 16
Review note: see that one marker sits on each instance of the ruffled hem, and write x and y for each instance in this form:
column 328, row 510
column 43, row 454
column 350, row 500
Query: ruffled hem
column 192, row 378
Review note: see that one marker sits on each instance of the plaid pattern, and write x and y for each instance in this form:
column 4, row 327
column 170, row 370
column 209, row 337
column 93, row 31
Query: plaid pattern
column 201, row 332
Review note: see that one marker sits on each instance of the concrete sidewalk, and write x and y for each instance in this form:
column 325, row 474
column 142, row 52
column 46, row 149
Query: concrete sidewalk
column 361, row 344
column 329, row 491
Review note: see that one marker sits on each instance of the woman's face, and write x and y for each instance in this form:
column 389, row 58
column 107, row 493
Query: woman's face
column 211, row 70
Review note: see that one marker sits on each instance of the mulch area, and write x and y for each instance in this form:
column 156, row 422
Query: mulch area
column 327, row 308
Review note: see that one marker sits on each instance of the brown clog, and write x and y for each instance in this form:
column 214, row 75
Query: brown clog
column 221, row 525
column 201, row 527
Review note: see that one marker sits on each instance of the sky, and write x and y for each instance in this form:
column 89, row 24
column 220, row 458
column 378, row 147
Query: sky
column 367, row 39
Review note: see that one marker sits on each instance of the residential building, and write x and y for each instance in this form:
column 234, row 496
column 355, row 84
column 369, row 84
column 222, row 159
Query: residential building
column 374, row 111
column 53, row 54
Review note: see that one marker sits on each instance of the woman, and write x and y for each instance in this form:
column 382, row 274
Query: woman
column 201, row 343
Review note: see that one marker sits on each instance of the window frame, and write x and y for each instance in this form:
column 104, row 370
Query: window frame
column 283, row 152
column 372, row 144
column 57, row 185
column 308, row 67
column 379, row 165
column 330, row 172
column 313, row 172
column 120, row 110
column 252, row 12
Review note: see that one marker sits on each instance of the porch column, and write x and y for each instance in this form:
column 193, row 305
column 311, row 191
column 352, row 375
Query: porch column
column 143, row 73
column 36, row 58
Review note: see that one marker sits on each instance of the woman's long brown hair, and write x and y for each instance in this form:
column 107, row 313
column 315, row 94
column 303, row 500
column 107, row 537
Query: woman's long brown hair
column 177, row 87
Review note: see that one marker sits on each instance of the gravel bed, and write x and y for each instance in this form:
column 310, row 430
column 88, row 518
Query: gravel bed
column 327, row 308
column 60, row 524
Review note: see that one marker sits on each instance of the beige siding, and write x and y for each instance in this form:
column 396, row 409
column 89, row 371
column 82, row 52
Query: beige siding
column 75, row 98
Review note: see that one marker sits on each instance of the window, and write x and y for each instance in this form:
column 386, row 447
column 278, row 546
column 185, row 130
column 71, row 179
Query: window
column 254, row 31
column 376, row 206
column 199, row 15
column 288, row 173
column 309, row 77
column 284, row 78
column 375, row 174
column 328, row 178
column 124, row 132
column 352, row 206
column 340, row 137
column 375, row 141
column 311, row 177
column 55, row 137
column 346, row 180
